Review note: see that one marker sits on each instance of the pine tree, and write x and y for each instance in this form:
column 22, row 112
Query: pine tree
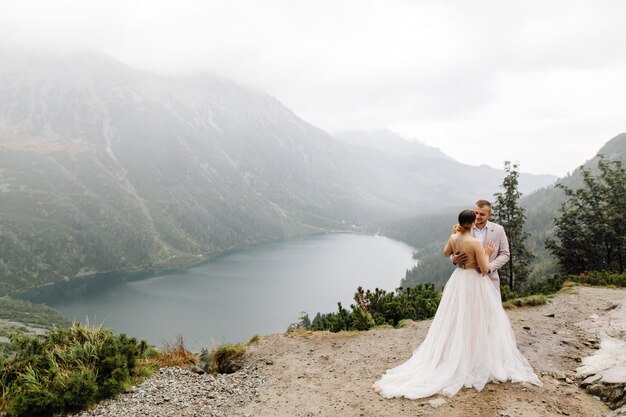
column 590, row 234
column 512, row 216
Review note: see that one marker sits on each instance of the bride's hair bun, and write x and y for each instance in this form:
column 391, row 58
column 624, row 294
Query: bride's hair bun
column 466, row 219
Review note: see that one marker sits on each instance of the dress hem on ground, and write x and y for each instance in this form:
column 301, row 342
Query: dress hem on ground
column 469, row 343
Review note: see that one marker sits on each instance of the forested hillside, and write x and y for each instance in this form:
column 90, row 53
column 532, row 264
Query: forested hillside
column 106, row 168
column 429, row 233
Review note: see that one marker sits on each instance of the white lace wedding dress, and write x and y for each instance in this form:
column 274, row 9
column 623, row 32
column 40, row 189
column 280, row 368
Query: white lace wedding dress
column 470, row 342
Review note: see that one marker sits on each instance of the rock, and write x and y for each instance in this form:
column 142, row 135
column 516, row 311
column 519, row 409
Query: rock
column 596, row 389
column 436, row 403
column 197, row 370
column 590, row 380
column 526, row 327
column 612, row 394
column 620, row 412
column 615, row 375
column 560, row 375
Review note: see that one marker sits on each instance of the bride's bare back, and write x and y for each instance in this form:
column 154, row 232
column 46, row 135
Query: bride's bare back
column 472, row 247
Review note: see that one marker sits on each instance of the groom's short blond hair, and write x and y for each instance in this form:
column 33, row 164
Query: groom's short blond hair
column 483, row 203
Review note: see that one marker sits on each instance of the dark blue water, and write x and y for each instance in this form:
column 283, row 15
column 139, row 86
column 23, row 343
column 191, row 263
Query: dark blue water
column 256, row 290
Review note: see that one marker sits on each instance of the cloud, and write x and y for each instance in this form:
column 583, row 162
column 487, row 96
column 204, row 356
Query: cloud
column 507, row 74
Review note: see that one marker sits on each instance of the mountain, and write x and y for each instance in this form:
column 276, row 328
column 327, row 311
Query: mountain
column 389, row 142
column 106, row 168
column 428, row 232
column 430, row 158
column 543, row 204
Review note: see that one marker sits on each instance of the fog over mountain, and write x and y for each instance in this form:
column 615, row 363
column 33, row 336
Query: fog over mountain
column 106, row 168
column 543, row 205
column 389, row 142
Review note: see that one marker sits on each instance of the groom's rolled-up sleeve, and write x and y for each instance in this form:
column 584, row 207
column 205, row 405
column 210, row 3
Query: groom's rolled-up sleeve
column 503, row 255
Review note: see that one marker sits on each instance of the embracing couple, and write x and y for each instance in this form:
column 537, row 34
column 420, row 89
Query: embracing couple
column 470, row 341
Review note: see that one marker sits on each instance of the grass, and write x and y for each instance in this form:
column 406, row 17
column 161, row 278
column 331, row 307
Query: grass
column 172, row 354
column 572, row 290
column 404, row 323
column 227, row 359
column 531, row 300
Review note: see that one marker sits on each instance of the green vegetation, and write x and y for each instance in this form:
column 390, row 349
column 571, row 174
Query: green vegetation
column 383, row 309
column 376, row 308
column 227, row 359
column 554, row 283
column 531, row 300
column 31, row 314
column 510, row 215
column 590, row 234
column 172, row 354
column 23, row 317
column 66, row 370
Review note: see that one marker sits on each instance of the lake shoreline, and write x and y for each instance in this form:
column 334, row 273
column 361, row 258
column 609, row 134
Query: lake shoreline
column 26, row 293
column 308, row 273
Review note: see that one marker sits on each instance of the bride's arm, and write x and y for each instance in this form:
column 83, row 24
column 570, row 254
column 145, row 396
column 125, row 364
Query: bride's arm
column 448, row 249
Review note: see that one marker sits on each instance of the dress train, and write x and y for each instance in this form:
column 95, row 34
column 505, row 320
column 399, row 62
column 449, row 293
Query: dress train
column 470, row 342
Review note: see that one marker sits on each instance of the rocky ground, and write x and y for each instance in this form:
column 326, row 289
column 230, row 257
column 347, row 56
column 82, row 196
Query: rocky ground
column 330, row 374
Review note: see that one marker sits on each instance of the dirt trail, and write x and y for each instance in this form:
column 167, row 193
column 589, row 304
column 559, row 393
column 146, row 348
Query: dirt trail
column 330, row 374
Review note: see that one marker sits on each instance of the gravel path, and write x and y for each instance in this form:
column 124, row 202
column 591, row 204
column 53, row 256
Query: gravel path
column 330, row 374
column 180, row 392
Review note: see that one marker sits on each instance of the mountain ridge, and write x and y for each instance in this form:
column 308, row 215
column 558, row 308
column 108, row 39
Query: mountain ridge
column 105, row 168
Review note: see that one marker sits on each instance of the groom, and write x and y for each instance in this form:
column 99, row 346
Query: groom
column 488, row 232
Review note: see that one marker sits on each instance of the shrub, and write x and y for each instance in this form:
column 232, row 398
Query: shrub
column 507, row 294
column 404, row 323
column 531, row 300
column 173, row 354
column 602, row 278
column 379, row 307
column 546, row 286
column 67, row 369
column 227, row 359
column 554, row 283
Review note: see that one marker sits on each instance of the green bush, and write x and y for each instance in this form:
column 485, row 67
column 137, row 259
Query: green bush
column 227, row 359
column 531, row 300
column 379, row 307
column 506, row 293
column 66, row 370
column 554, row 283
column 602, row 278
column 547, row 286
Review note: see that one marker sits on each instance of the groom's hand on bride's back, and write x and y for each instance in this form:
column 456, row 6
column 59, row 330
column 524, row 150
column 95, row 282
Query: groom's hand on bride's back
column 459, row 258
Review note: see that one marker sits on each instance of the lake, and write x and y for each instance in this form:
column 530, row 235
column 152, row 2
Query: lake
column 230, row 298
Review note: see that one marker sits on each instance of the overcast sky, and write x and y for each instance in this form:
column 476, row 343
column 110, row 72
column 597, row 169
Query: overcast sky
column 542, row 83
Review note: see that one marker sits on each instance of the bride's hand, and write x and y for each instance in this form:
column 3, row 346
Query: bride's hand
column 490, row 248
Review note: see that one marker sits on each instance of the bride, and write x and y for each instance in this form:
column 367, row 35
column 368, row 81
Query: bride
column 470, row 341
